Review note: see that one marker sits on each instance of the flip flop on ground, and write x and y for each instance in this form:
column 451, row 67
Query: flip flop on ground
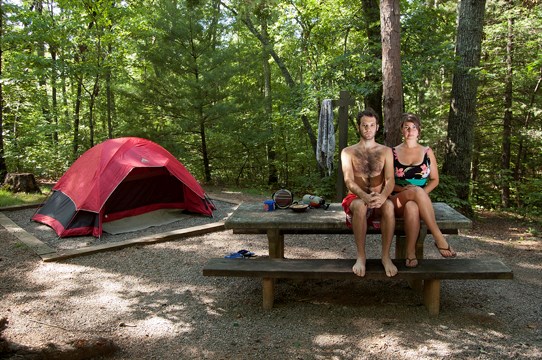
column 240, row 254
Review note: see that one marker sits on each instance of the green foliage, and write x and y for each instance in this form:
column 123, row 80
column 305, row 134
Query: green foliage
column 445, row 192
column 188, row 75
column 8, row 198
column 532, row 197
column 490, row 176
column 315, row 185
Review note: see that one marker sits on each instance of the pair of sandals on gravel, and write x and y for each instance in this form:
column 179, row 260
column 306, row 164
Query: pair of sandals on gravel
column 413, row 262
column 241, row 254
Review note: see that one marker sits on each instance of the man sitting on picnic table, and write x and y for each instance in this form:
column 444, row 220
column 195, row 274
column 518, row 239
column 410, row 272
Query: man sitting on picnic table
column 368, row 174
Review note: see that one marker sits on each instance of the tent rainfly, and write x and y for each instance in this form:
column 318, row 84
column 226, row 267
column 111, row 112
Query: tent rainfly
column 120, row 178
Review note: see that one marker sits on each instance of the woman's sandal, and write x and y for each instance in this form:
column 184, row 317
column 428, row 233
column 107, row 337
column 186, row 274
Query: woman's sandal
column 411, row 263
column 440, row 250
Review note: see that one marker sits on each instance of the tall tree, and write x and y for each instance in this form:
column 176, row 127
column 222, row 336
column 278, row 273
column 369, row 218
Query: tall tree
column 462, row 114
column 371, row 24
column 507, row 118
column 391, row 70
column 190, row 70
column 3, row 168
column 263, row 14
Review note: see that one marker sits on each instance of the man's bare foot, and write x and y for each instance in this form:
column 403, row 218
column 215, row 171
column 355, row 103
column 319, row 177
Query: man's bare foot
column 359, row 268
column 391, row 269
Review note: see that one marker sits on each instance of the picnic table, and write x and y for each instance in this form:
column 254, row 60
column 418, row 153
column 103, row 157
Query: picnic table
column 251, row 218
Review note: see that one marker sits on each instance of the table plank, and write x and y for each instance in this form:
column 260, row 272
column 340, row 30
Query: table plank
column 251, row 216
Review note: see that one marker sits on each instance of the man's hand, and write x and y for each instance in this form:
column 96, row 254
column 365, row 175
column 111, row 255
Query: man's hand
column 376, row 200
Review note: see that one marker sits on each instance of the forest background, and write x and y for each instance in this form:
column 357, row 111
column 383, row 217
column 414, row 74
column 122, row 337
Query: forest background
column 234, row 88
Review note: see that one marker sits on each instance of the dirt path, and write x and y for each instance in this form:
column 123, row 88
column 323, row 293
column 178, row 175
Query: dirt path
column 153, row 303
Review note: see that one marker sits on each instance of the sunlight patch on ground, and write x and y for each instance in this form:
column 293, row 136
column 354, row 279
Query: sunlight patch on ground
column 531, row 243
column 159, row 327
column 210, row 301
column 329, row 340
column 434, row 349
column 384, row 344
column 530, row 265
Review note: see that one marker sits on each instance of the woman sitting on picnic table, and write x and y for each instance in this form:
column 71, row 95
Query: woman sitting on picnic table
column 416, row 175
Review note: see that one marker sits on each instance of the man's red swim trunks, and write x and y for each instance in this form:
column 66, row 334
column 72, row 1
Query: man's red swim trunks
column 346, row 206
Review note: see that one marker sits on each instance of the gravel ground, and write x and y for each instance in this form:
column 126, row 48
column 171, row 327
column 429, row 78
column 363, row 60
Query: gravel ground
column 153, row 302
column 48, row 236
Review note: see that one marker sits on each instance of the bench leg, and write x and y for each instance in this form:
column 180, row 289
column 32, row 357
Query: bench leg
column 276, row 243
column 400, row 253
column 276, row 251
column 418, row 284
column 420, row 241
column 400, row 246
column 431, row 296
column 268, row 286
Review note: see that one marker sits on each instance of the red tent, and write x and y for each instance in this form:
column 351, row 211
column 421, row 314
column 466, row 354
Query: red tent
column 116, row 179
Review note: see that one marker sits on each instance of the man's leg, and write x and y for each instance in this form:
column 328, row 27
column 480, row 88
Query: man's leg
column 387, row 228
column 359, row 227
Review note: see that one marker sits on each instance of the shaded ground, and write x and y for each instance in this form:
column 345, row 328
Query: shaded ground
column 153, row 302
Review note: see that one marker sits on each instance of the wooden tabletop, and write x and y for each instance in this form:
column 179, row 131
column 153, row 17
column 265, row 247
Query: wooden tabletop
column 251, row 216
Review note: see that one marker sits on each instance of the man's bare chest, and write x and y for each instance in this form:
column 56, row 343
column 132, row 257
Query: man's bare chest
column 368, row 164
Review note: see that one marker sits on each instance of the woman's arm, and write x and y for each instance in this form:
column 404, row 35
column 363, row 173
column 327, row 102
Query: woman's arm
column 433, row 175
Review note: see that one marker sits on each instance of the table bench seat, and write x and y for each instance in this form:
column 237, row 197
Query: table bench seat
column 430, row 271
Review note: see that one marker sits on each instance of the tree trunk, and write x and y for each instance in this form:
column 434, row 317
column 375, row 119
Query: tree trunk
column 109, row 96
column 63, row 77
column 272, row 177
column 391, row 70
column 507, row 120
column 93, row 95
column 24, row 182
column 371, row 21
column 110, row 104
column 76, row 115
column 54, row 93
column 462, row 115
column 3, row 168
column 205, row 152
column 41, row 77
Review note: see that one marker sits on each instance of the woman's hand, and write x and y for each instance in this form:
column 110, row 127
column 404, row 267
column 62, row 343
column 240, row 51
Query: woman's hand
column 410, row 186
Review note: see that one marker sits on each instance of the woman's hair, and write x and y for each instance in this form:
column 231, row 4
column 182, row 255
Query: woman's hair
column 407, row 117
